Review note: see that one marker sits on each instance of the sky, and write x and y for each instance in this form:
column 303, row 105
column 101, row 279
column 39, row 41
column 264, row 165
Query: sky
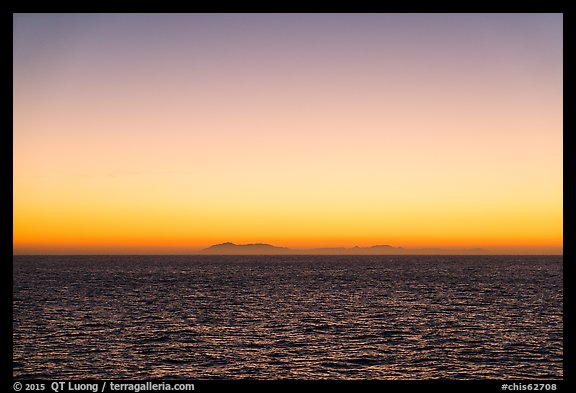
column 166, row 133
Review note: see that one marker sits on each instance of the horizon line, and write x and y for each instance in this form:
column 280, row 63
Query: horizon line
column 230, row 248
column 262, row 254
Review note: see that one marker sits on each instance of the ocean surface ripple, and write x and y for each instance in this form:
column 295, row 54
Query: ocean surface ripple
column 295, row 317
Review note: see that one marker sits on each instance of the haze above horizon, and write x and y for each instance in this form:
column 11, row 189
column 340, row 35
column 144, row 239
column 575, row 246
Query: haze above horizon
column 161, row 133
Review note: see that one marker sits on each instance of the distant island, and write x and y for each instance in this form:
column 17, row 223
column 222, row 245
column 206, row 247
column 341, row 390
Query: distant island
column 268, row 249
column 245, row 249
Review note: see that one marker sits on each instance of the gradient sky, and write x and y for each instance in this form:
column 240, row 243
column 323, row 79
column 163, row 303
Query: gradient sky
column 167, row 133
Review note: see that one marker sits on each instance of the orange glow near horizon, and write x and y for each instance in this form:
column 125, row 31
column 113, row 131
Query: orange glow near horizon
column 131, row 141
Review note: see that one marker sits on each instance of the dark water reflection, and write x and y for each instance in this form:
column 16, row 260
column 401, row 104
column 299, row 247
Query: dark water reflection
column 304, row 317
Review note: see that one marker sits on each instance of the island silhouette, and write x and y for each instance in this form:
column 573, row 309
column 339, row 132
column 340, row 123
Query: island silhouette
column 229, row 248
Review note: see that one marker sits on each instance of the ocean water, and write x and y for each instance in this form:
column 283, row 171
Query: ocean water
column 295, row 317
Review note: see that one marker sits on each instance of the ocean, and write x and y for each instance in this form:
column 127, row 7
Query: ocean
column 288, row 317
